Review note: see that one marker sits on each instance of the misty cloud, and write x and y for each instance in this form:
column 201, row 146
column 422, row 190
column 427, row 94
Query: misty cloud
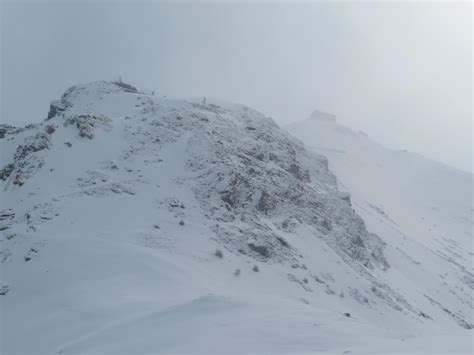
column 402, row 72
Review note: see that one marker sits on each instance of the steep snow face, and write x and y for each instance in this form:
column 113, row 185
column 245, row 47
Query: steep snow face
column 124, row 215
column 422, row 209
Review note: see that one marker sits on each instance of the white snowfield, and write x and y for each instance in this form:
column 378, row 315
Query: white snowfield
column 134, row 224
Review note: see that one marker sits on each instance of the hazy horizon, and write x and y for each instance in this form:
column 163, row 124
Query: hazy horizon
column 401, row 72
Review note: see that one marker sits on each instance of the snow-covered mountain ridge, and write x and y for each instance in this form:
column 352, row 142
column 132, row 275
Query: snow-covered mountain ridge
column 124, row 214
column 421, row 207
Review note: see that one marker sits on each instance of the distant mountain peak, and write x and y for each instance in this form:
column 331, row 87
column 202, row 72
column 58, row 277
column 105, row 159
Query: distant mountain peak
column 322, row 116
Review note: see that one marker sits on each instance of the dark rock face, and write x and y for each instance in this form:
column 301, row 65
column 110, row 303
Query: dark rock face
column 7, row 217
column 296, row 171
column 283, row 242
column 7, row 129
column 39, row 142
column 265, row 203
column 25, row 160
column 50, row 129
column 260, row 249
column 261, row 175
column 86, row 124
column 59, row 107
column 55, row 108
column 7, row 171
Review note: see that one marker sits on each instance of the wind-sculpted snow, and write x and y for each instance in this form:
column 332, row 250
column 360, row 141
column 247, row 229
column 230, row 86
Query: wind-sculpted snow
column 124, row 213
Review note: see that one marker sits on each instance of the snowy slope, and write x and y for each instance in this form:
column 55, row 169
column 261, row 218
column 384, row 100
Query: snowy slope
column 422, row 209
column 133, row 223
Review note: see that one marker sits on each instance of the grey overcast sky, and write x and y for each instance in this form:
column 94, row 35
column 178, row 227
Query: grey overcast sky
column 400, row 71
